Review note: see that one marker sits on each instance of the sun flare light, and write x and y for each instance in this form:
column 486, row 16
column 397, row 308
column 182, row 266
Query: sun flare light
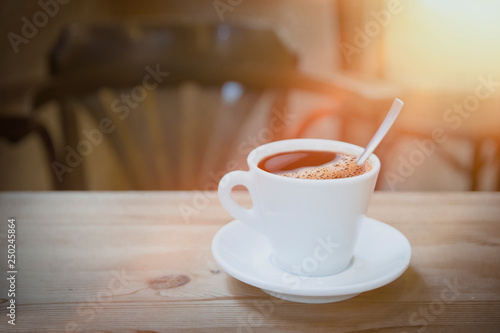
column 444, row 44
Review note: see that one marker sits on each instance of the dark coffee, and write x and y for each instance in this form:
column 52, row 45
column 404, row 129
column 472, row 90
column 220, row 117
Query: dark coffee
column 311, row 164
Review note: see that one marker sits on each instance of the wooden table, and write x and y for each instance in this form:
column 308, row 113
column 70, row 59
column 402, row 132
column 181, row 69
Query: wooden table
column 131, row 262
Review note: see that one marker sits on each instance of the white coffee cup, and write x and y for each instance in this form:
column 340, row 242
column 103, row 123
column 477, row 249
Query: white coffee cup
column 312, row 225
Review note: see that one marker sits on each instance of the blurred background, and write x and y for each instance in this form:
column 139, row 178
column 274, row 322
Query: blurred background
column 171, row 95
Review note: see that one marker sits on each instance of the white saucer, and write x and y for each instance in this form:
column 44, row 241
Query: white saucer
column 382, row 254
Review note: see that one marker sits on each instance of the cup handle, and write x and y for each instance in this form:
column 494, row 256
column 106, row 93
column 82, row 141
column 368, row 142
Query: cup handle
column 226, row 184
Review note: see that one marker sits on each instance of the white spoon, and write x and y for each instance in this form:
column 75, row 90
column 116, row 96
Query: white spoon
column 382, row 130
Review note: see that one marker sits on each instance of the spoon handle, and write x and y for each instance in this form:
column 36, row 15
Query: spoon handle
column 393, row 113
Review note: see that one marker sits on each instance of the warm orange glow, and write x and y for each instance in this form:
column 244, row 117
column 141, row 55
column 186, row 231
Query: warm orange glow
column 444, row 44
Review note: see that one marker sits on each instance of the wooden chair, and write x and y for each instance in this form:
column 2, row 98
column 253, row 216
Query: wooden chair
column 177, row 95
column 17, row 121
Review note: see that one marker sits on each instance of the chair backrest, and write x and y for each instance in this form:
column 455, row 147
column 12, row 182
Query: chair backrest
column 178, row 43
column 178, row 95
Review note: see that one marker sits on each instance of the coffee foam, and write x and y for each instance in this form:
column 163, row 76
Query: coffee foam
column 344, row 166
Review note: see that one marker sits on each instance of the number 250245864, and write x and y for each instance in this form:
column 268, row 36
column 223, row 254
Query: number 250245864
column 11, row 246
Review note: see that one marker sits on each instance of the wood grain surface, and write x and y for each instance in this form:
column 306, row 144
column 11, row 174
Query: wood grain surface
column 141, row 262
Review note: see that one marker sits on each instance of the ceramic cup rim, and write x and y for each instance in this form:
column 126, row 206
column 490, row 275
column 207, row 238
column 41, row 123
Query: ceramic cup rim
column 287, row 145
